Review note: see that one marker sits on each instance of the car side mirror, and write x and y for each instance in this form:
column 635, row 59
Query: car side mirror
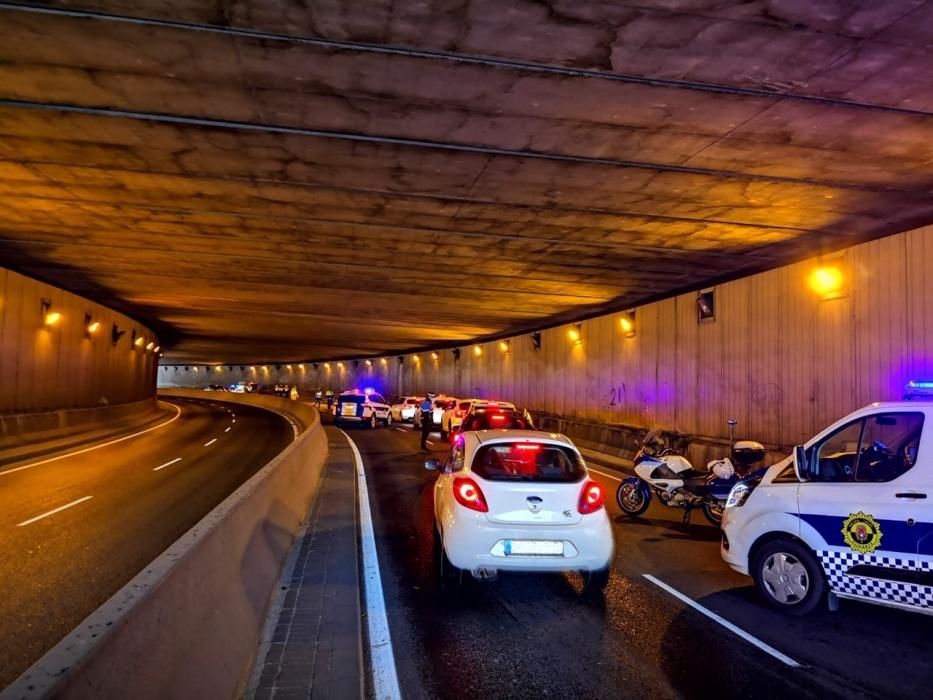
column 432, row 465
column 800, row 463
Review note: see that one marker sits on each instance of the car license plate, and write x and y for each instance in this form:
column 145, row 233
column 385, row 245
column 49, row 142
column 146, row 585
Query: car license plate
column 531, row 548
column 348, row 409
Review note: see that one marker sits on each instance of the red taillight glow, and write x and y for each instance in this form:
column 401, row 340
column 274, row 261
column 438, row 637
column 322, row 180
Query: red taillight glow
column 592, row 497
column 528, row 447
column 460, row 413
column 497, row 417
column 469, row 495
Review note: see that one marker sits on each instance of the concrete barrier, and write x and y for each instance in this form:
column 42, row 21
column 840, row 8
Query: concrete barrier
column 21, row 429
column 189, row 624
column 623, row 441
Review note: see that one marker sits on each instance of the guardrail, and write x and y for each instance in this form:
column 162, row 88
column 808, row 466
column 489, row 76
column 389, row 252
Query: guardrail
column 189, row 624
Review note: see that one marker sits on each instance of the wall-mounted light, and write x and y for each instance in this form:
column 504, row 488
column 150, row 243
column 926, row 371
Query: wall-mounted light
column 536, row 340
column 575, row 334
column 327, row 365
column 195, row 369
column 288, row 367
column 90, row 325
column 150, row 345
column 706, row 305
column 339, row 365
column 504, row 346
column 828, row 282
column 157, row 349
column 627, row 323
column 301, row 368
column 49, row 317
column 416, row 358
column 218, row 368
column 384, row 361
column 265, row 369
column 477, row 350
column 435, row 357
column 369, row 363
column 137, row 340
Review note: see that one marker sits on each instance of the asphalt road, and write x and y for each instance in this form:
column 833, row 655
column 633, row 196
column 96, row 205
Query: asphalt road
column 538, row 636
column 123, row 511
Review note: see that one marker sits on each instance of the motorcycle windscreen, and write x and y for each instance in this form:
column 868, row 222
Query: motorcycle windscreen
column 530, row 483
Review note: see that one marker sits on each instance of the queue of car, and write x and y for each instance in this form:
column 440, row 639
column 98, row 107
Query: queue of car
column 849, row 514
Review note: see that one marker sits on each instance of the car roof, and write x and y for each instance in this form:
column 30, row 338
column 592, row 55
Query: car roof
column 494, row 435
column 915, row 403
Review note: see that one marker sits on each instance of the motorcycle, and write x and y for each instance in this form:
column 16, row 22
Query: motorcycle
column 671, row 477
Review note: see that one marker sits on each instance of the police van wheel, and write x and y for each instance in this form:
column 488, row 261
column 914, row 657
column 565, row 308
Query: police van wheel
column 789, row 577
column 389, row 420
column 372, row 422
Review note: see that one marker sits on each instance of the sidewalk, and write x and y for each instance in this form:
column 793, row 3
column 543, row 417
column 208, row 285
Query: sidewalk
column 311, row 647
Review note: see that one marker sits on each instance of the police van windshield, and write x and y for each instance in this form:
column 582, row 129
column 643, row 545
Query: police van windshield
column 528, row 461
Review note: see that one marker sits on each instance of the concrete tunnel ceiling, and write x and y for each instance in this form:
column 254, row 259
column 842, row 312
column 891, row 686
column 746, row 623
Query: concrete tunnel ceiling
column 272, row 180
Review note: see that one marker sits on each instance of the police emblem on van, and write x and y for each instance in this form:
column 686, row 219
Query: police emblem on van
column 862, row 533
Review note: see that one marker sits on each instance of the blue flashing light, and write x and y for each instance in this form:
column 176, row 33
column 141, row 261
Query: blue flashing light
column 369, row 390
column 916, row 388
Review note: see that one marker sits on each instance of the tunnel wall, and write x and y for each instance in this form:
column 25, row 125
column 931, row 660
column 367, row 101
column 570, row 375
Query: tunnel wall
column 57, row 367
column 778, row 357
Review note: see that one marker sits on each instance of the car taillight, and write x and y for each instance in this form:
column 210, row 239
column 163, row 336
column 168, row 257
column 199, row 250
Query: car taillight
column 592, row 497
column 469, row 495
column 460, row 413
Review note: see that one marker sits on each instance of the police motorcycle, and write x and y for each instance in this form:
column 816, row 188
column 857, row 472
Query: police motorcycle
column 671, row 477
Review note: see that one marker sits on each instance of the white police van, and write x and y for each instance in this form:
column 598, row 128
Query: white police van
column 848, row 515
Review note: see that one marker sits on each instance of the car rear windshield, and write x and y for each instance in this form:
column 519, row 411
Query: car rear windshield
column 352, row 398
column 413, row 402
column 528, row 461
column 464, row 405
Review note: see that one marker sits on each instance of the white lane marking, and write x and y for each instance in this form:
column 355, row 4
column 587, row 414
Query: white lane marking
column 227, row 429
column 382, row 658
column 608, row 476
column 96, row 447
column 738, row 631
column 167, row 464
column 53, row 512
column 210, row 442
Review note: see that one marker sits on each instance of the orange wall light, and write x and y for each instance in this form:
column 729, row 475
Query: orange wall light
column 827, row 282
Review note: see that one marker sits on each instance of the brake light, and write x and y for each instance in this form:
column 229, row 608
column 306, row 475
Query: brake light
column 592, row 497
column 529, row 447
column 469, row 495
column 498, row 417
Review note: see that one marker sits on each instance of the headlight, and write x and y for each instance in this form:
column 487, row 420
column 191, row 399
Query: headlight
column 738, row 495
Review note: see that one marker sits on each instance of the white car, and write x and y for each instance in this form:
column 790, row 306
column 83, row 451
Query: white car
column 363, row 408
column 518, row 500
column 454, row 415
column 405, row 408
column 846, row 516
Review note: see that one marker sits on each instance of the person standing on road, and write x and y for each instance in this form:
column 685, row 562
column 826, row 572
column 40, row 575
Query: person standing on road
column 427, row 420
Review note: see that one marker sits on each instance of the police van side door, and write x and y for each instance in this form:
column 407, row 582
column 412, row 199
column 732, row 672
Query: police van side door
column 853, row 508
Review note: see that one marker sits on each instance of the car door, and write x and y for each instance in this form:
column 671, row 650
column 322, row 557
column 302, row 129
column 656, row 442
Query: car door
column 443, row 493
column 861, row 508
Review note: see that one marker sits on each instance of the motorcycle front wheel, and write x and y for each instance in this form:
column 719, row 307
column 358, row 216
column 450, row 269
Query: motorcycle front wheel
column 632, row 497
column 713, row 511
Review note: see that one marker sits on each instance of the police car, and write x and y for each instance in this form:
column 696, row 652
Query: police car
column 363, row 408
column 847, row 515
